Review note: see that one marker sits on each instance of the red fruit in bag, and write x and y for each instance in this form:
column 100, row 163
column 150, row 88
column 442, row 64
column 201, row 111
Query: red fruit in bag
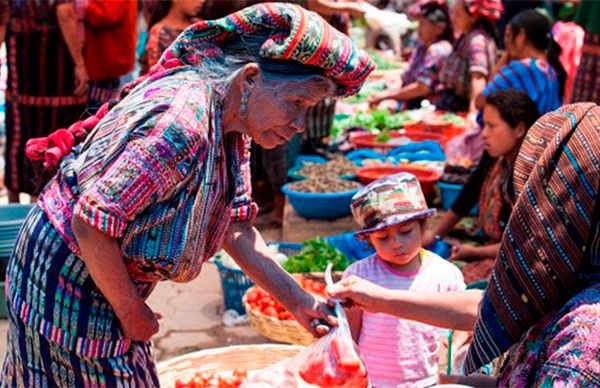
column 346, row 358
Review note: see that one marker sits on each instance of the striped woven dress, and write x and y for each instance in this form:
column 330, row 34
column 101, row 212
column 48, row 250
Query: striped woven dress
column 41, row 81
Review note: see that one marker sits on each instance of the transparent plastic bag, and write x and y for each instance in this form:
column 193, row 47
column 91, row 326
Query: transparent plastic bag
column 332, row 361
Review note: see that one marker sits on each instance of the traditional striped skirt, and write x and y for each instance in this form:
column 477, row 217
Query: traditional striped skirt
column 587, row 80
column 62, row 331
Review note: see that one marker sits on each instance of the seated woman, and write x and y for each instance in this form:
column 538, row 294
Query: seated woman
column 420, row 80
column 530, row 64
column 468, row 68
column 506, row 115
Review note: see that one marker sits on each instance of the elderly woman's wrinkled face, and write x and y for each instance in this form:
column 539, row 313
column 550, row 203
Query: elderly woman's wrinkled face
column 277, row 109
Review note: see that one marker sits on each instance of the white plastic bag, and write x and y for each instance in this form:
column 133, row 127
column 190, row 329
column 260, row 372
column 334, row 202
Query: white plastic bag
column 332, row 361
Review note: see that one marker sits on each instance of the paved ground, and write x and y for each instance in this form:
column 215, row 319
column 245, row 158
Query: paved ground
column 192, row 312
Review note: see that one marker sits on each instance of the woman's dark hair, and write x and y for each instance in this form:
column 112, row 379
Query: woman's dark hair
column 438, row 14
column 514, row 107
column 538, row 30
column 158, row 11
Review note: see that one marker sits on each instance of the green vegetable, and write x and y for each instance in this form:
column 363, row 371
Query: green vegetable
column 383, row 137
column 382, row 63
column 452, row 118
column 314, row 256
column 374, row 122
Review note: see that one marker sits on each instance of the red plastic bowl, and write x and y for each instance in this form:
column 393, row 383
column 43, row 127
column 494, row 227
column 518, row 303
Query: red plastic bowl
column 427, row 177
column 368, row 140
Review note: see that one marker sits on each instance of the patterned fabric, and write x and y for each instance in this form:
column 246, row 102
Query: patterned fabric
column 587, row 80
column 561, row 350
column 491, row 201
column 488, row 9
column 391, row 200
column 101, row 92
column 160, row 38
column 295, row 34
column 138, row 165
column 50, row 290
column 473, row 52
column 33, row 361
column 426, row 63
column 40, row 85
column 544, row 251
column 534, row 77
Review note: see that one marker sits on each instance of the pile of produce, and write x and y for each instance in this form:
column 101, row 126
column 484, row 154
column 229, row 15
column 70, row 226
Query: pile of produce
column 368, row 89
column 211, row 380
column 261, row 301
column 314, row 256
column 336, row 167
column 374, row 122
column 323, row 185
column 382, row 63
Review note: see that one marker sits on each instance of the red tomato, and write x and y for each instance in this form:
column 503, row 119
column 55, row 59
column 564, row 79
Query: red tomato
column 270, row 311
column 252, row 296
column 319, row 288
column 183, row 383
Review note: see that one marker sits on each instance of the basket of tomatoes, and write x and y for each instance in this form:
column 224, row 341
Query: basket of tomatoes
column 272, row 320
column 226, row 367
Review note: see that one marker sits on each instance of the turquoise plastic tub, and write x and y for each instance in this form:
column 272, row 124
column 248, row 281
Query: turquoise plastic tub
column 449, row 193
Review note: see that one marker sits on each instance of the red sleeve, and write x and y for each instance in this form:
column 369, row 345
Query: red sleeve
column 101, row 13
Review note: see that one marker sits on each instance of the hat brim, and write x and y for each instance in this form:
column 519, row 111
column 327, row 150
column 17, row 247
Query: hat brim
column 394, row 220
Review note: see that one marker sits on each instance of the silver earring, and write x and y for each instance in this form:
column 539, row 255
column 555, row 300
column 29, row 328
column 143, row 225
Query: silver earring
column 244, row 104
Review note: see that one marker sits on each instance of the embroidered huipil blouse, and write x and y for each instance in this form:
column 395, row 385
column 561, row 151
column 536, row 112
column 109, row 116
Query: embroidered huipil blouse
column 158, row 174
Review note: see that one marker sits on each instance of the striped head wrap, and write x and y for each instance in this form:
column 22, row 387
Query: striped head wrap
column 543, row 256
column 295, row 34
column 488, row 9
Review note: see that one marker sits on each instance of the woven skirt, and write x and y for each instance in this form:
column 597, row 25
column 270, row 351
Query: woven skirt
column 587, row 80
column 62, row 331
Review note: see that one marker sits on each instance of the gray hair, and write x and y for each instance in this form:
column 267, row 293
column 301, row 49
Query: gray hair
column 222, row 70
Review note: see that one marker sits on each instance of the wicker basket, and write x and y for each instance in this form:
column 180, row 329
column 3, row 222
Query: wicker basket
column 289, row 332
column 223, row 360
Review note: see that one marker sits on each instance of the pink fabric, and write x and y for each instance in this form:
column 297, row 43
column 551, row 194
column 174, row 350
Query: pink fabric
column 570, row 38
column 399, row 352
column 59, row 143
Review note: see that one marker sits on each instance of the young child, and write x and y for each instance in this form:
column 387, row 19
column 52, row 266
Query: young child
column 398, row 352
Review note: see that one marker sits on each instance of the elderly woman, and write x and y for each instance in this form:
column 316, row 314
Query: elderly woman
column 543, row 299
column 158, row 186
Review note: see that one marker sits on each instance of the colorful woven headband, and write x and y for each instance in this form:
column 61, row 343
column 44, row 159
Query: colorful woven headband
column 389, row 201
column 295, row 34
column 543, row 257
column 489, row 9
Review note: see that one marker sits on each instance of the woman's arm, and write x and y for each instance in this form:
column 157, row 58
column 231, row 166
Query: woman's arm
column 478, row 82
column 469, row 252
column 408, row 92
column 330, row 7
column 246, row 246
column 67, row 22
column 455, row 310
column 104, row 261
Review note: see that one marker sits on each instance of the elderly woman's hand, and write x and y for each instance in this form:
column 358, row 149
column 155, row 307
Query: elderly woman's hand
column 314, row 315
column 139, row 323
column 355, row 291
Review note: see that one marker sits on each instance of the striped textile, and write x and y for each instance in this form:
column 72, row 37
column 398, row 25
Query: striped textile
column 534, row 77
column 543, row 256
column 296, row 34
column 34, row 361
column 40, row 85
column 586, row 87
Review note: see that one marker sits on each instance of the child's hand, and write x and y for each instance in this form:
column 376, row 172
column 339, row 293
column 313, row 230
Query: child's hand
column 462, row 252
column 356, row 292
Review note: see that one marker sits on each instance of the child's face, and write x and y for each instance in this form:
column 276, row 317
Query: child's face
column 398, row 244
